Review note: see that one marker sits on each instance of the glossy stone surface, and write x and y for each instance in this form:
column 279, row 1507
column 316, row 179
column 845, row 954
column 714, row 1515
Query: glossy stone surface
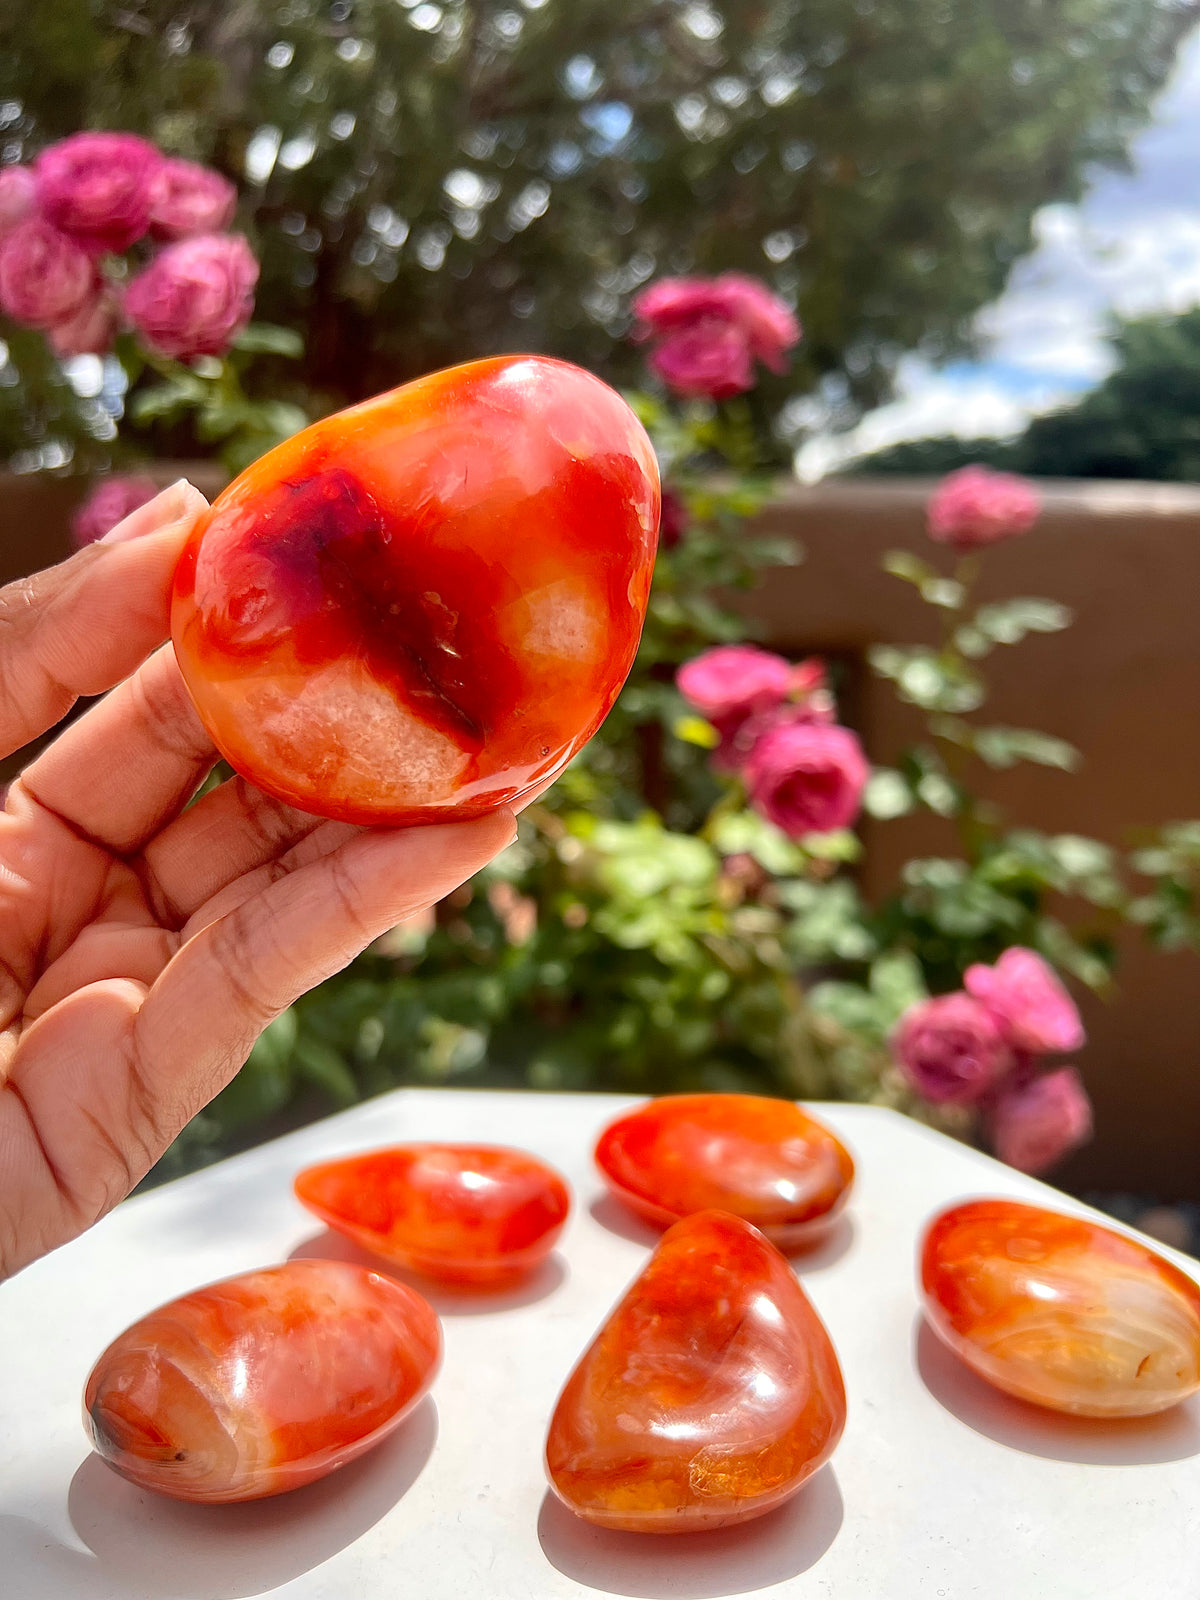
column 1061, row 1311
column 422, row 607
column 761, row 1159
column 461, row 1213
column 262, row 1382
column 708, row 1397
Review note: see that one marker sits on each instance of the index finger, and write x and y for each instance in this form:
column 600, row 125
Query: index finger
column 83, row 626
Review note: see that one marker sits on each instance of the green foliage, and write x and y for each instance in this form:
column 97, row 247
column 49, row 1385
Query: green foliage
column 427, row 183
column 1139, row 422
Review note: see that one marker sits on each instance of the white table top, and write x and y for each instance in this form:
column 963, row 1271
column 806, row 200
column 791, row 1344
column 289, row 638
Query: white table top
column 940, row 1487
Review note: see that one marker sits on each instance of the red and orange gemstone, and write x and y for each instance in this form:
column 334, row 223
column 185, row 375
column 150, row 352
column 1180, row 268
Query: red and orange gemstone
column 262, row 1382
column 1061, row 1311
column 708, row 1397
column 764, row 1160
column 461, row 1213
column 421, row 608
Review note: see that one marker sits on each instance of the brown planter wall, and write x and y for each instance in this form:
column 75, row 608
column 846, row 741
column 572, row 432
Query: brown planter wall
column 1123, row 684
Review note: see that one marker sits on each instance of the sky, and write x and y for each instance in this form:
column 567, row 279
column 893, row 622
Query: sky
column 1131, row 245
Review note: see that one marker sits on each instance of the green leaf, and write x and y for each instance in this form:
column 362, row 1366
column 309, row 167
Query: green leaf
column 897, row 982
column 930, row 584
column 1004, row 747
column 746, row 831
column 694, row 730
column 887, row 795
column 267, row 338
column 1008, row 622
column 166, row 401
column 323, row 1065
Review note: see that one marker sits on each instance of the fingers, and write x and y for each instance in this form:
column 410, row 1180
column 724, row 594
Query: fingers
column 230, row 979
column 123, row 770
column 79, row 628
column 227, row 833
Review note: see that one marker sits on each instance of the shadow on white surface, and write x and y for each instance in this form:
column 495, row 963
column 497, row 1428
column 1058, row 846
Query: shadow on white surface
column 608, row 1211
column 696, row 1566
column 1092, row 1441
column 551, row 1274
column 145, row 1547
column 826, row 1251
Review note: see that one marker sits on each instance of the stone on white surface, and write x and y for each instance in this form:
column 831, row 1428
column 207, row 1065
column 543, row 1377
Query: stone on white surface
column 940, row 1488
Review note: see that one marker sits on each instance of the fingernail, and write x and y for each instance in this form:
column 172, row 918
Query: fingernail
column 169, row 505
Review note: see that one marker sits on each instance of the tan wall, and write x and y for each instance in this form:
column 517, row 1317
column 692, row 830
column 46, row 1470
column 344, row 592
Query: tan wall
column 1123, row 684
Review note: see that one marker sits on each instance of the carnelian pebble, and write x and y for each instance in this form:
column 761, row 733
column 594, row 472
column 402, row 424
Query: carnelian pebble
column 1061, row 1311
column 421, row 608
column 262, row 1382
column 764, row 1160
column 710, row 1395
column 461, row 1213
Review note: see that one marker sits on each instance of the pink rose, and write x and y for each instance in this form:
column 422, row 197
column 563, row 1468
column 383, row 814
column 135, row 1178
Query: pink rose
column 708, row 361
column 734, row 680
column 91, row 330
column 708, row 332
column 18, row 196
column 187, row 198
column 196, row 296
column 1025, row 995
column 1034, row 1125
column 951, row 1048
column 769, row 324
column 806, row 777
column 109, row 503
column 97, row 187
column 975, row 507
column 45, row 277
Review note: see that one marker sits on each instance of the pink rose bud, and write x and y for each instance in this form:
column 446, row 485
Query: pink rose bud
column 91, row 330
column 18, row 196
column 97, row 187
column 806, row 777
column 951, row 1049
column 975, row 507
column 187, row 199
column 1034, row 1125
column 708, row 332
column 45, row 277
column 195, row 297
column 110, row 502
column 1028, row 1000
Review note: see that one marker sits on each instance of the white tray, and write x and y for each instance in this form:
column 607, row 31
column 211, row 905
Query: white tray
column 940, row 1487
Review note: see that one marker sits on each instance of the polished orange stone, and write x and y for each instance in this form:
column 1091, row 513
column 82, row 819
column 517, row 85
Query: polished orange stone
column 422, row 607
column 1061, row 1311
column 262, row 1382
column 462, row 1213
column 708, row 1397
column 764, row 1160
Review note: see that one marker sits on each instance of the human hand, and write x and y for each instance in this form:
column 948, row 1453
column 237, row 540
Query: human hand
column 144, row 946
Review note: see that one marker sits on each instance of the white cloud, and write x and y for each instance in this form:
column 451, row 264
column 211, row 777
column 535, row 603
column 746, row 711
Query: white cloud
column 1130, row 247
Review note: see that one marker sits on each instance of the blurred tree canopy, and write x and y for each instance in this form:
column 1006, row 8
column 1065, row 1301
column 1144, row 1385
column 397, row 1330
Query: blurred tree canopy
column 1142, row 421
column 427, row 180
